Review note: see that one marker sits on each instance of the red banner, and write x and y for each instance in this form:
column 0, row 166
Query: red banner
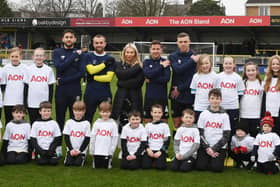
column 192, row 21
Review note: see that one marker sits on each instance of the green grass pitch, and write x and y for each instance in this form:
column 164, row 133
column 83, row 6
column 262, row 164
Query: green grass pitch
column 33, row 175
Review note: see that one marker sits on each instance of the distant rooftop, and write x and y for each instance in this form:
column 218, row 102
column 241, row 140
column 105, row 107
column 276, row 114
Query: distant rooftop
column 262, row 1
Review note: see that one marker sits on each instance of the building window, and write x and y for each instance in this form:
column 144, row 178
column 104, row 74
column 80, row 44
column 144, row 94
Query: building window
column 264, row 11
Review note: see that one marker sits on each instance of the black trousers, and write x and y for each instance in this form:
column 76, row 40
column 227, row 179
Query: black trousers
column 92, row 105
column 33, row 114
column 8, row 114
column 206, row 162
column 62, row 103
column 238, row 158
column 252, row 124
column 183, row 165
column 131, row 164
column 17, row 158
column 78, row 160
column 159, row 163
column 233, row 119
column 100, row 161
column 267, row 167
column 45, row 159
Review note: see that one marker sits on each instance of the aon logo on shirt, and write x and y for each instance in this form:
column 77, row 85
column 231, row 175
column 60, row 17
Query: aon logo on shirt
column 156, row 136
column 103, row 132
column 205, row 85
column 45, row 133
column 39, row 79
column 251, row 92
column 15, row 77
column 187, row 139
column 227, row 85
column 273, row 89
column 77, row 134
column 265, row 144
column 133, row 139
column 17, row 136
column 213, row 125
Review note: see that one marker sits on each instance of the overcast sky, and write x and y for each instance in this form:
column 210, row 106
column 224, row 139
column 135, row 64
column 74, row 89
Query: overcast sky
column 233, row 7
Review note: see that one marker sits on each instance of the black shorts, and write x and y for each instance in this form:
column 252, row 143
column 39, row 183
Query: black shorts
column 148, row 103
column 177, row 108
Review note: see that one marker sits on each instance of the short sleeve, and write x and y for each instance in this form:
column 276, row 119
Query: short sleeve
column 226, row 124
column 240, row 86
column 33, row 130
column 193, row 85
column 66, row 129
column 123, row 134
column 196, row 136
column 276, row 140
column 87, row 129
column 6, row 133
column 51, row 77
column 178, row 134
column 57, row 131
column 167, row 131
column 143, row 134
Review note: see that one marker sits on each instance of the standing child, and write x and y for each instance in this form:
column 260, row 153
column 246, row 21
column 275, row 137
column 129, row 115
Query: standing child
column 203, row 81
column 214, row 128
column 16, row 139
column 46, row 136
column 158, row 134
column 13, row 82
column 38, row 85
column 157, row 74
column 186, row 143
column 104, row 137
column 271, row 96
column 241, row 147
column 232, row 88
column 251, row 101
column 76, row 135
column 267, row 147
column 133, row 141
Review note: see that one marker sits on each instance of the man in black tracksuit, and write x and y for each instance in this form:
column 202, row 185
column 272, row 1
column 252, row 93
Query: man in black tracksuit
column 70, row 68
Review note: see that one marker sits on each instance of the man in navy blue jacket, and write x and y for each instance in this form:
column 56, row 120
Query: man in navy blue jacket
column 183, row 63
column 99, row 67
column 70, row 68
column 157, row 74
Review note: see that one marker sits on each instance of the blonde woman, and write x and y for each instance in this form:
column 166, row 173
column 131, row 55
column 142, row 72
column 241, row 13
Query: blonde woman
column 130, row 80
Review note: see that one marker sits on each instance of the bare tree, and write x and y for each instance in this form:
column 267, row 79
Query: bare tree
column 111, row 8
column 36, row 8
column 61, row 8
column 87, row 7
column 140, row 7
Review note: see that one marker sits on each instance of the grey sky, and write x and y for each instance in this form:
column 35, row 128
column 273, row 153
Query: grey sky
column 233, row 7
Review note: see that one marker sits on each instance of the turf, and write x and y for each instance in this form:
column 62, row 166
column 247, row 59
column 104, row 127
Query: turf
column 33, row 175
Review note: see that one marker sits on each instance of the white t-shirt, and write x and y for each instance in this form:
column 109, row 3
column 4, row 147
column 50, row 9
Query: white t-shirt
column 45, row 132
column 213, row 124
column 267, row 143
column 231, row 86
column 157, row 133
column 103, row 134
column 18, row 136
column 187, row 136
column 251, row 101
column 133, row 137
column 77, row 131
column 13, row 77
column 273, row 98
column 200, row 86
column 38, row 80
column 247, row 141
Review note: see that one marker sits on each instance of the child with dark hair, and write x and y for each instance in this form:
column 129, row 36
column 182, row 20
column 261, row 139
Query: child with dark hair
column 16, row 139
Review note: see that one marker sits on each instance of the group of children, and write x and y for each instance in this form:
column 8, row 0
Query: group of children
column 227, row 111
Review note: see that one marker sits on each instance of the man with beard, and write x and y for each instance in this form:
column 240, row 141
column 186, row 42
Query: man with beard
column 99, row 67
column 70, row 68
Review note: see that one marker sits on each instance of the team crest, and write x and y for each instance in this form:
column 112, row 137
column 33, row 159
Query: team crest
column 150, row 65
column 62, row 57
column 94, row 61
column 179, row 61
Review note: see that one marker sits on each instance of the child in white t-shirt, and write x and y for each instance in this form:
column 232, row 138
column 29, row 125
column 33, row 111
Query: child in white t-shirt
column 133, row 141
column 77, row 136
column 241, row 147
column 203, row 81
column 13, row 82
column 271, row 101
column 214, row 128
column 158, row 133
column 46, row 136
column 16, row 139
column 232, row 88
column 186, row 143
column 251, row 101
column 266, row 149
column 38, row 84
column 104, row 137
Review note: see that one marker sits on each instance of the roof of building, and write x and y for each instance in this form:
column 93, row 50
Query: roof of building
column 262, row 1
